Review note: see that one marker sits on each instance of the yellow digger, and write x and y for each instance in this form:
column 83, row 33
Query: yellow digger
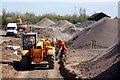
column 36, row 52
column 21, row 27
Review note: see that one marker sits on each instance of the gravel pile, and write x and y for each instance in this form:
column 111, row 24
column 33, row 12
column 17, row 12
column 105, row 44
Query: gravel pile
column 45, row 23
column 102, row 34
column 62, row 24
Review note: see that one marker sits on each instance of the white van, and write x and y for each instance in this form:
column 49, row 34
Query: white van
column 11, row 29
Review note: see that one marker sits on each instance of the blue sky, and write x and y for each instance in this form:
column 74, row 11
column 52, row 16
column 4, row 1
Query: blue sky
column 62, row 8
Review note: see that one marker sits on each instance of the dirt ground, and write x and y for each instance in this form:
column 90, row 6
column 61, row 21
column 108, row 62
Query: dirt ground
column 10, row 67
column 81, row 63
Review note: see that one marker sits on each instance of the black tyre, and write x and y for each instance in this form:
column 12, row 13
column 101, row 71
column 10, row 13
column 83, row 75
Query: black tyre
column 6, row 34
column 51, row 59
column 24, row 62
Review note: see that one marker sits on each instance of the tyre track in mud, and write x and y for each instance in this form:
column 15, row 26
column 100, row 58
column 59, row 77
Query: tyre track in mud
column 40, row 73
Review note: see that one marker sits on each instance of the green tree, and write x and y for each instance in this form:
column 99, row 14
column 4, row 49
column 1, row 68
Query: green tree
column 0, row 21
column 3, row 16
column 31, row 18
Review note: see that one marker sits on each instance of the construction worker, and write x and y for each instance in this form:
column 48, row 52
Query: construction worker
column 31, row 39
column 62, row 49
column 43, row 40
column 53, row 42
column 47, row 43
column 30, row 28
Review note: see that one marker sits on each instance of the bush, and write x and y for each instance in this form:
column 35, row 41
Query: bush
column 31, row 18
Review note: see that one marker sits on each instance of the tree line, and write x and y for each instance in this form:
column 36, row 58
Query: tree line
column 31, row 18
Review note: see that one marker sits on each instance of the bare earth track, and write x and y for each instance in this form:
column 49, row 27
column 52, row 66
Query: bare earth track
column 9, row 63
column 84, row 60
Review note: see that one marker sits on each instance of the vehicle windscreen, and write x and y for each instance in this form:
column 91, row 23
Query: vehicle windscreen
column 29, row 40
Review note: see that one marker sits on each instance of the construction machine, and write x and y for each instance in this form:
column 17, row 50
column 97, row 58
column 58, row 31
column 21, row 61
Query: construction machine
column 17, row 29
column 22, row 27
column 36, row 52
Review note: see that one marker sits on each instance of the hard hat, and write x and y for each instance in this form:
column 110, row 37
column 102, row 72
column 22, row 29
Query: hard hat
column 42, row 39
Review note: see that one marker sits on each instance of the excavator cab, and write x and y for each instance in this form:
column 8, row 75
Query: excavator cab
column 29, row 40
